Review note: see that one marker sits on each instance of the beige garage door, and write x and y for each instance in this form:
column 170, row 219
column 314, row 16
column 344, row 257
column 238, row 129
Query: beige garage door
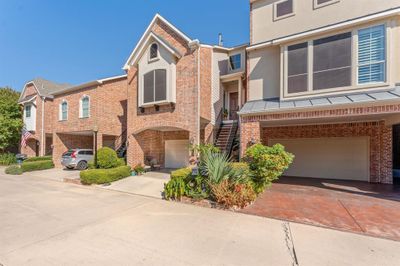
column 176, row 153
column 334, row 158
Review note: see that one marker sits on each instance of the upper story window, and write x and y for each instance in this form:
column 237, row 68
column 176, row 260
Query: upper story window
column 153, row 54
column 155, row 86
column 321, row 3
column 334, row 62
column 64, row 111
column 235, row 62
column 84, row 107
column 283, row 9
column 28, row 111
column 371, row 55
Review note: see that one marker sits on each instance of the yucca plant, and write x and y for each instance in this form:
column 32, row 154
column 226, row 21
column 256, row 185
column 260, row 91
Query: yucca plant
column 216, row 167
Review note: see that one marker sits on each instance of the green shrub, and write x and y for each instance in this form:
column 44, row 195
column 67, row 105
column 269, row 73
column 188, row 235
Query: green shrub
column 102, row 176
column 7, row 159
column 121, row 161
column 216, row 167
column 241, row 173
column 139, row 169
column 38, row 165
column 181, row 173
column 14, row 170
column 175, row 188
column 40, row 158
column 107, row 158
column 266, row 164
column 197, row 187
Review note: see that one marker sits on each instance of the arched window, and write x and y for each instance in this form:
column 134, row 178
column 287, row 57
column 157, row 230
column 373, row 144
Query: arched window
column 153, row 51
column 84, row 109
column 64, row 110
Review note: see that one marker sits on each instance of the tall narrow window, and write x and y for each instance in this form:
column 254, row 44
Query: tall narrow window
column 153, row 51
column 85, row 107
column 372, row 55
column 28, row 111
column 297, row 58
column 332, row 62
column 155, row 86
column 64, row 111
column 283, row 9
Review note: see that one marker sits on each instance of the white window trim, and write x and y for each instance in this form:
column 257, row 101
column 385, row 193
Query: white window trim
column 81, row 106
column 60, row 115
column 316, row 5
column 158, row 53
column 275, row 10
column 30, row 111
column 229, row 62
column 354, row 65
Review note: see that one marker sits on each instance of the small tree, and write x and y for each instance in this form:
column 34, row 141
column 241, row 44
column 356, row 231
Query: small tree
column 10, row 119
column 266, row 164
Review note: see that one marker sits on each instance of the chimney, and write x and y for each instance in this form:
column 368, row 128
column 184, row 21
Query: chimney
column 220, row 40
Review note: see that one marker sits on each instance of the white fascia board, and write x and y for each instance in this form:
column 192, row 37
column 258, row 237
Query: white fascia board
column 336, row 26
column 23, row 90
column 112, row 78
column 147, row 32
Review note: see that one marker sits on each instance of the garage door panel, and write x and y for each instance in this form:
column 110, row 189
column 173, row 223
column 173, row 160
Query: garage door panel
column 333, row 158
column 176, row 153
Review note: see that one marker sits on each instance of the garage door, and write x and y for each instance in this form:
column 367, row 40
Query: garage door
column 334, row 158
column 176, row 153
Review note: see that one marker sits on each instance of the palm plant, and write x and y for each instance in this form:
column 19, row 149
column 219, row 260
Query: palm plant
column 216, row 167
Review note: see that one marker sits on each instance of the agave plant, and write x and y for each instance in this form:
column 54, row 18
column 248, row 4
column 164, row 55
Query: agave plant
column 216, row 167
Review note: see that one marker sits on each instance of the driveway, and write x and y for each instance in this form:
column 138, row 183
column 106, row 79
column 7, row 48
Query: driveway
column 372, row 209
column 47, row 222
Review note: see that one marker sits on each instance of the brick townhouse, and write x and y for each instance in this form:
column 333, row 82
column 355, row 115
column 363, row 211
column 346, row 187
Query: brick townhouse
column 321, row 81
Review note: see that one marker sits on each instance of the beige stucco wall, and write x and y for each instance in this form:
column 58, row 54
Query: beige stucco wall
column 265, row 65
column 264, row 28
column 217, row 87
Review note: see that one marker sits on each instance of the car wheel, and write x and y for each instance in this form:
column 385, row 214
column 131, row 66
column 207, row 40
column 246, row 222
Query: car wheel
column 69, row 167
column 82, row 165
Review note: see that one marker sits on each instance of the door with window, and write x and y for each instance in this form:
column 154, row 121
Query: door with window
column 233, row 105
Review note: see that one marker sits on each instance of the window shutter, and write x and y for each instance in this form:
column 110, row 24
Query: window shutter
column 148, row 87
column 160, row 85
column 371, row 55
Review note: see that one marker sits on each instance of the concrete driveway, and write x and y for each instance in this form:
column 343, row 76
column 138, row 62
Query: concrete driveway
column 47, row 222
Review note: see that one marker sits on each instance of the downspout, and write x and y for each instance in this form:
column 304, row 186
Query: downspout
column 42, row 151
column 198, row 94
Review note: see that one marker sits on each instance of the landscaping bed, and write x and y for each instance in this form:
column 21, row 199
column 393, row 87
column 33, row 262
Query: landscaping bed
column 219, row 183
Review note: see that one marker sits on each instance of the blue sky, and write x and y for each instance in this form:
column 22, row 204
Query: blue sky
column 77, row 41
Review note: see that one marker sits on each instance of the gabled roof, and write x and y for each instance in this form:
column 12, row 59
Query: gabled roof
column 146, row 35
column 45, row 88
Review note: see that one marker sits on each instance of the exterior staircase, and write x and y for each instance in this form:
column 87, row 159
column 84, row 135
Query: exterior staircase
column 121, row 144
column 226, row 136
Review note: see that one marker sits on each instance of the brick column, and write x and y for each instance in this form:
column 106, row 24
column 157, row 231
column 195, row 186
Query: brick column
column 58, row 149
column 208, row 133
column 249, row 132
column 386, row 163
column 134, row 153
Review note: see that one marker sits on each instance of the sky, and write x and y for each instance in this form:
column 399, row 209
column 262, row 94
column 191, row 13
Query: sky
column 78, row 41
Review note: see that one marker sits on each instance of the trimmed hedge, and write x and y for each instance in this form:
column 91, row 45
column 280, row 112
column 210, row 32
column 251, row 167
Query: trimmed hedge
column 40, row 158
column 181, row 173
column 13, row 170
column 102, row 176
column 38, row 165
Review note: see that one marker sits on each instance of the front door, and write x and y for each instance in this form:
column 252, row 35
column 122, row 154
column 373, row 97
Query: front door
column 233, row 105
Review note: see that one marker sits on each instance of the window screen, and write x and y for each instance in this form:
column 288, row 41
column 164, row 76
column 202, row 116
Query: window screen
column 332, row 62
column 297, row 68
column 371, row 55
column 284, row 8
column 155, row 86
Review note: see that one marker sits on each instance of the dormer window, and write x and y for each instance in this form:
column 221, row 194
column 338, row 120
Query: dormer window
column 283, row 9
column 63, row 111
column 153, row 55
column 84, row 109
column 235, row 62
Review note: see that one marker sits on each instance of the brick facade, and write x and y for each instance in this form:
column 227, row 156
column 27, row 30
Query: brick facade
column 181, row 116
